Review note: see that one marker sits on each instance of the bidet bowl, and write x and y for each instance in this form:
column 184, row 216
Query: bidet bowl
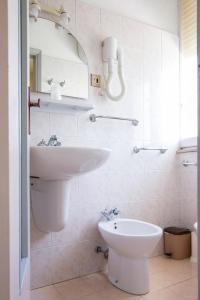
column 130, row 243
column 130, row 237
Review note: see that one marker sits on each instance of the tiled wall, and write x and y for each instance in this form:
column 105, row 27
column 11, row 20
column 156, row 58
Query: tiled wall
column 188, row 190
column 143, row 185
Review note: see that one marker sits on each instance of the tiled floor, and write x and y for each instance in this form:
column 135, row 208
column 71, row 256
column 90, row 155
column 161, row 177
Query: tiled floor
column 169, row 280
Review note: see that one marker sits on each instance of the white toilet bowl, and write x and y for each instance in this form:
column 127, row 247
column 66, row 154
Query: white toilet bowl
column 194, row 245
column 130, row 244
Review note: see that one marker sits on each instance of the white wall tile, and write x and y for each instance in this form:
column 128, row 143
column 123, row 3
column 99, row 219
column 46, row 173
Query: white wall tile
column 142, row 186
column 39, row 239
column 89, row 31
column 91, row 261
column 65, row 262
column 110, row 24
column 40, row 127
column 41, row 263
column 63, row 125
column 132, row 34
column 188, row 190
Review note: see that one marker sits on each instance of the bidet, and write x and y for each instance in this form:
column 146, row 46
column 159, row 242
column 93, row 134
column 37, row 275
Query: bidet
column 130, row 243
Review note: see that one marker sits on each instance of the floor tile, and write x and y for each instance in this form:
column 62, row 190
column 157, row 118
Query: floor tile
column 160, row 263
column 185, row 266
column 74, row 288
column 95, row 296
column 169, row 280
column 163, row 294
column 116, row 294
column 98, row 282
column 108, row 295
column 186, row 290
column 46, row 293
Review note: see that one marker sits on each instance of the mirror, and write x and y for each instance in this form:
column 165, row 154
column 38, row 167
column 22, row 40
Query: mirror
column 58, row 64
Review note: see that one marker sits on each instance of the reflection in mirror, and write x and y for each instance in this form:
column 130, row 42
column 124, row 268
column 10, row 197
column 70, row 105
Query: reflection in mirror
column 58, row 64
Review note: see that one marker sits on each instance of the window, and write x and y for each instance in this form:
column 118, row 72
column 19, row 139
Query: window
column 188, row 72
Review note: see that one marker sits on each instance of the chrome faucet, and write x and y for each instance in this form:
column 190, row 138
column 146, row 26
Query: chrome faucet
column 42, row 143
column 53, row 141
column 110, row 214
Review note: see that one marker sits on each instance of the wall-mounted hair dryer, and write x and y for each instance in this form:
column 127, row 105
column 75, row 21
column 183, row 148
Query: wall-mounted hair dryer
column 112, row 54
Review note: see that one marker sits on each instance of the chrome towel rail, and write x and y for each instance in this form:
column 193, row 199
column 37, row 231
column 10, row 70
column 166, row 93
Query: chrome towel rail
column 94, row 117
column 137, row 149
column 187, row 163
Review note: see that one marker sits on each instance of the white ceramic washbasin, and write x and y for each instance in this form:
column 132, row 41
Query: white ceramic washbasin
column 62, row 163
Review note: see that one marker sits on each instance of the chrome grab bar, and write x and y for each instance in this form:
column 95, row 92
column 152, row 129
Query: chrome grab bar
column 186, row 163
column 137, row 149
column 94, row 117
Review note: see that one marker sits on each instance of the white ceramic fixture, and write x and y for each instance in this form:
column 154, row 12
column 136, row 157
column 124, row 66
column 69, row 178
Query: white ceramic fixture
column 51, row 168
column 62, row 163
column 130, row 243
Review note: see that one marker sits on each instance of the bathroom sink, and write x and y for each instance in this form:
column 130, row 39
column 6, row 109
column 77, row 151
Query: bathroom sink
column 62, row 163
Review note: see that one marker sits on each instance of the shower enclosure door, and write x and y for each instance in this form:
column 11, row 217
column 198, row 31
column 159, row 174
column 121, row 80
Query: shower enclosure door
column 198, row 151
column 23, row 141
column 14, row 196
column 24, row 157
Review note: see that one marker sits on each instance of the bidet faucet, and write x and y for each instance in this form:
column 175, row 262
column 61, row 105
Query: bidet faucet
column 53, row 141
column 110, row 214
column 42, row 143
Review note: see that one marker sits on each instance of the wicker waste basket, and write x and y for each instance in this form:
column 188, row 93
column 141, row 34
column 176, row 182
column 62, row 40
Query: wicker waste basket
column 177, row 242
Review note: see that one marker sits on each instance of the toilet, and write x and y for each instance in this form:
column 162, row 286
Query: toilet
column 130, row 243
column 194, row 255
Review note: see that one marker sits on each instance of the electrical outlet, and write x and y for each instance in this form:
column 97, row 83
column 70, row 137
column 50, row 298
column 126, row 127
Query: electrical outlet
column 95, row 80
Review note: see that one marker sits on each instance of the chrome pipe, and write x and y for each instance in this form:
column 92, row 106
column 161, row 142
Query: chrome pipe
column 94, row 117
column 137, row 149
